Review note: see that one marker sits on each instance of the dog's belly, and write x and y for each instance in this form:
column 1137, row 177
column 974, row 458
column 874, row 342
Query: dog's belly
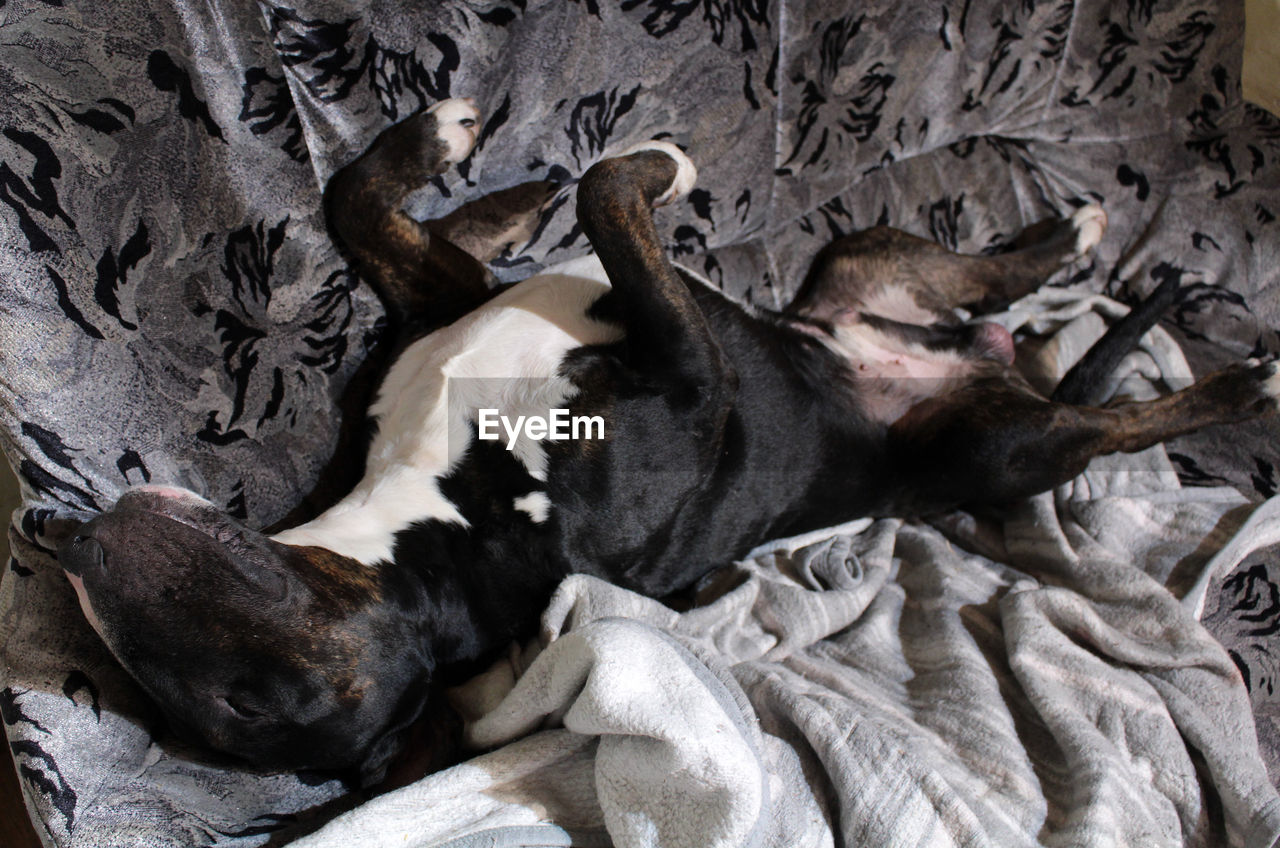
column 503, row 357
column 891, row 371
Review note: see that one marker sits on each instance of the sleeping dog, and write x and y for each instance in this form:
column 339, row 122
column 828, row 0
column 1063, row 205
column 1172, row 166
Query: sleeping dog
column 706, row 428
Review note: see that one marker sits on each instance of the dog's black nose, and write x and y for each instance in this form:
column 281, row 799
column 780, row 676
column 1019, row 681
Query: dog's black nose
column 81, row 553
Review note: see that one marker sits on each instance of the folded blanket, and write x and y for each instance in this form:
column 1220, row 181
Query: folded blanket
column 1033, row 678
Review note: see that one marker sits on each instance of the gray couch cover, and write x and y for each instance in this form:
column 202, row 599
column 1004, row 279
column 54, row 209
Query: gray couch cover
column 172, row 311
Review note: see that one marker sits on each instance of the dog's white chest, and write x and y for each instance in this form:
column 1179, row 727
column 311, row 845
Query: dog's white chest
column 504, row 356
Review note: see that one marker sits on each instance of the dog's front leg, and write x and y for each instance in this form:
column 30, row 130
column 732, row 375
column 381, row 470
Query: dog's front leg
column 422, row 278
column 668, row 339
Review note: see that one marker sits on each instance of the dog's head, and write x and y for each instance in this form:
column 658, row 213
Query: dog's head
column 286, row 657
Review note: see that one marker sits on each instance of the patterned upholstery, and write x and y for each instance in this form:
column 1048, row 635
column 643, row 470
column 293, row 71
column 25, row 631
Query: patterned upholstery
column 172, row 310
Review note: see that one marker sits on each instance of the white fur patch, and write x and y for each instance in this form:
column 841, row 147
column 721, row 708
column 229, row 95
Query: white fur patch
column 686, row 172
column 504, row 355
column 897, row 304
column 172, row 493
column 86, row 607
column 894, row 374
column 1090, row 223
column 536, row 504
column 1271, row 383
column 458, row 122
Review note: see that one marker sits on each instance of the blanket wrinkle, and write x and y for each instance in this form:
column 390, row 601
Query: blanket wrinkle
column 1260, row 530
column 647, row 764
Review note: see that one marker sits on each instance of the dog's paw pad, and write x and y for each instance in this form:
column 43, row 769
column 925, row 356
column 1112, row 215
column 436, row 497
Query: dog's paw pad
column 457, row 126
column 686, row 172
column 1090, row 223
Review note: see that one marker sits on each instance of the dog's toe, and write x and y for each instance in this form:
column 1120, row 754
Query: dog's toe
column 457, row 126
column 686, row 172
column 1269, row 372
column 1263, row 380
column 1090, row 223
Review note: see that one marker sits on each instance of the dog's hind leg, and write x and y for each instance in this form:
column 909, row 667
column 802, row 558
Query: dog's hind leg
column 994, row 441
column 667, row 335
column 423, row 279
column 895, row 275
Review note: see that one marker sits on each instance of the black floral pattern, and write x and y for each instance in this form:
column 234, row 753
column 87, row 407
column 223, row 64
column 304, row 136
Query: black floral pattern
column 167, row 75
column 267, row 106
column 36, row 193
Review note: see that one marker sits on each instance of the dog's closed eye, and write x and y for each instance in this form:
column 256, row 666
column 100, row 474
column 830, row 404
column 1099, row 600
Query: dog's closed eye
column 237, row 707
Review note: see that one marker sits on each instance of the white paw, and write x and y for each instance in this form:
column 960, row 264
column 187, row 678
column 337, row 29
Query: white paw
column 686, row 173
column 458, row 125
column 1271, row 382
column 1090, row 223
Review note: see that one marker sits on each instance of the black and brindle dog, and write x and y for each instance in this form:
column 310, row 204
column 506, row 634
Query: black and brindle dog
column 722, row 426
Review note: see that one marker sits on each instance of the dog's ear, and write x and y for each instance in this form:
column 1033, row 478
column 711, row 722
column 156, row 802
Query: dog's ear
column 423, row 729
column 269, row 579
column 381, row 753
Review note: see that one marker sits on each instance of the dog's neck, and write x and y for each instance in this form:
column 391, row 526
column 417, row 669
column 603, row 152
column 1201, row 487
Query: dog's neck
column 365, row 525
column 471, row 591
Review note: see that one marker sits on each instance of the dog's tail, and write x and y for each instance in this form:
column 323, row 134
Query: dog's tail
column 1084, row 383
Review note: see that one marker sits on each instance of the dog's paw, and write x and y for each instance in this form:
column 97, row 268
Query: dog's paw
column 686, row 173
column 457, row 127
column 1242, row 390
column 1268, row 377
column 1271, row 383
column 1090, row 223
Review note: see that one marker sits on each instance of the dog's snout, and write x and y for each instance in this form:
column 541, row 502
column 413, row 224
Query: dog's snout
column 82, row 553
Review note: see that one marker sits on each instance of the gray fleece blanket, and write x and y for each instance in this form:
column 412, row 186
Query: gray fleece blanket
column 1039, row 678
column 173, row 311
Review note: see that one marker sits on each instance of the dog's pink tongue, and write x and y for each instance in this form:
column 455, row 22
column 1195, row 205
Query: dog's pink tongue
column 995, row 342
